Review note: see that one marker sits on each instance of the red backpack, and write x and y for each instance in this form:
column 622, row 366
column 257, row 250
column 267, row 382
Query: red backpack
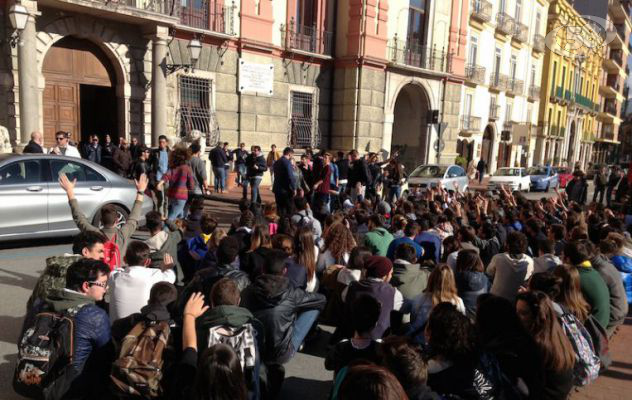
column 112, row 254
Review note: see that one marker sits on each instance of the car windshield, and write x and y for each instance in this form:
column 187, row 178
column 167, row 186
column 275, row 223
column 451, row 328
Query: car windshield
column 508, row 172
column 428, row 171
column 537, row 171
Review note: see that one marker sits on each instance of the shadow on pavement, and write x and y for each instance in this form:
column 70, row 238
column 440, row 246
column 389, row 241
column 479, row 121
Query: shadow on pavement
column 18, row 279
column 20, row 244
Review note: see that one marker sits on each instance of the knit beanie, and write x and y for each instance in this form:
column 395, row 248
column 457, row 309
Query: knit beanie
column 377, row 266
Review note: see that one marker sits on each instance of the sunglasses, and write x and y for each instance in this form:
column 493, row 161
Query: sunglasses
column 60, row 138
column 103, row 285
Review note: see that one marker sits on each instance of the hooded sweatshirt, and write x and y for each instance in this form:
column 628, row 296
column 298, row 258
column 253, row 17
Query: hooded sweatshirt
column 618, row 299
column 508, row 273
column 545, row 263
column 378, row 241
column 410, row 279
column 470, row 285
column 624, row 265
column 53, row 278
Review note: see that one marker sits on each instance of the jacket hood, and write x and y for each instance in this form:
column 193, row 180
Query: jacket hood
column 58, row 265
column 156, row 242
column 64, row 299
column 599, row 261
column 471, row 281
column 622, row 263
column 155, row 312
column 516, row 263
column 232, row 316
column 269, row 289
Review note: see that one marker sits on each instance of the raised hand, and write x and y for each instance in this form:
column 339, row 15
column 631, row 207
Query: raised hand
column 195, row 306
column 141, row 183
column 67, row 184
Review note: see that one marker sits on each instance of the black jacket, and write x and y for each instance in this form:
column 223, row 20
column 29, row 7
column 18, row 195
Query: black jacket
column 343, row 169
column 275, row 303
column 253, row 160
column 33, row 147
column 359, row 172
column 577, row 190
column 218, row 157
column 240, row 156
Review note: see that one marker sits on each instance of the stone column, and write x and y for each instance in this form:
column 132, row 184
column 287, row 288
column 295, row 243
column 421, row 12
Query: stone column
column 28, row 77
column 158, row 83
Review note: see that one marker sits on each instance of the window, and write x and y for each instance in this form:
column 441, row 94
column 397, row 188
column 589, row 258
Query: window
column 305, row 15
column 533, row 75
column 509, row 112
column 455, row 171
column 518, row 10
column 418, row 23
column 21, row 172
column 74, row 170
column 563, row 82
column 538, row 22
column 473, row 50
column 497, row 61
column 195, row 106
column 554, row 75
column 502, row 6
column 513, row 67
column 301, row 120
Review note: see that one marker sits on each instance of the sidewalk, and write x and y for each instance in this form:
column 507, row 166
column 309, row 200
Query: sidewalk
column 616, row 382
column 234, row 194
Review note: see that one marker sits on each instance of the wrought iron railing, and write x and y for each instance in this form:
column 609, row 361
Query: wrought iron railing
column 610, row 106
column 409, row 52
column 616, row 55
column 494, row 111
column 307, row 38
column 515, row 87
column 505, row 23
column 538, row 43
column 475, row 74
column 534, row 92
column 498, row 82
column 470, row 123
column 207, row 14
column 482, row 10
column 521, row 32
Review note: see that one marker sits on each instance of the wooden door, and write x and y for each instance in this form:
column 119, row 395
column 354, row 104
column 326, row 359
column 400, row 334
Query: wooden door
column 61, row 109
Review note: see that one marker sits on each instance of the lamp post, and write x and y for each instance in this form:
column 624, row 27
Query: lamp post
column 195, row 48
column 18, row 16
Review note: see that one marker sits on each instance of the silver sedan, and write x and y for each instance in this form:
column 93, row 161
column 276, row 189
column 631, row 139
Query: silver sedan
column 33, row 204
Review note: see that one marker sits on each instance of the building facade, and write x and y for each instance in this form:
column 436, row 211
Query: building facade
column 572, row 71
column 501, row 95
column 348, row 74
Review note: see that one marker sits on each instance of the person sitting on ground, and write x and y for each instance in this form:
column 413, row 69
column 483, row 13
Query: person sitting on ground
column 287, row 313
column 511, row 269
column 130, row 287
column 253, row 259
column 194, row 218
column 592, row 285
column 339, row 243
column 378, row 273
column 377, row 238
column 441, row 288
column 88, row 245
column 216, row 373
column 198, row 245
column 305, row 217
column 86, row 284
column 295, row 272
column 409, row 277
column 162, row 242
column 306, row 256
column 243, row 232
column 365, row 312
column 613, row 248
column 120, row 235
column 554, row 350
column 557, row 233
column 546, row 260
column 471, row 281
column 411, row 230
column 368, row 382
column 404, row 359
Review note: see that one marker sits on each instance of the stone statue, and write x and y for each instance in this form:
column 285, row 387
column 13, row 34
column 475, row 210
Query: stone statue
column 5, row 141
column 195, row 136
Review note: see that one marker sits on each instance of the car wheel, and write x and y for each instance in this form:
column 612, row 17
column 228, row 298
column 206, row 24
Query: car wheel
column 122, row 216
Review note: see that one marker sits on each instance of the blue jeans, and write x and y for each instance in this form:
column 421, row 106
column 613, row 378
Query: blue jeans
column 241, row 173
column 394, row 191
column 220, row 178
column 176, row 209
column 254, row 183
column 302, row 325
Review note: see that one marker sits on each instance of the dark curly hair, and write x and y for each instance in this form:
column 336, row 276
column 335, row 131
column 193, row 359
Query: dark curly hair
column 179, row 156
column 451, row 334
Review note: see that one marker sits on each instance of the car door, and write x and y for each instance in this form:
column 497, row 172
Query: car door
column 452, row 176
column 90, row 191
column 23, row 198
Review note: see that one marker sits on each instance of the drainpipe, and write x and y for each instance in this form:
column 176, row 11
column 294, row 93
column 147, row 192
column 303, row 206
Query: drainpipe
column 333, row 70
column 361, row 50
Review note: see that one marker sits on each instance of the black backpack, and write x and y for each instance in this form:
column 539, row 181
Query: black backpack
column 45, row 352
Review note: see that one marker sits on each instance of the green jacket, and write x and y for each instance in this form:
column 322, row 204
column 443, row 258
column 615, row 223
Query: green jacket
column 596, row 293
column 52, row 279
column 410, row 279
column 378, row 240
column 121, row 234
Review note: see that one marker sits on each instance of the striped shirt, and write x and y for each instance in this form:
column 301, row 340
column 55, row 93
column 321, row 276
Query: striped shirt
column 180, row 182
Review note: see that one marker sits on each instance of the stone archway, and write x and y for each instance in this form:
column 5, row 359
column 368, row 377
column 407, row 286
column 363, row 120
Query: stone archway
column 487, row 149
column 410, row 130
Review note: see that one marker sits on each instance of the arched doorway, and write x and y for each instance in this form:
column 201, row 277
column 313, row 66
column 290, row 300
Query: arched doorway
column 571, row 145
column 79, row 96
column 410, row 130
column 488, row 145
column 465, row 149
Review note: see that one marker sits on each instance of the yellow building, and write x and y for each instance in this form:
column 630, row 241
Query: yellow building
column 570, row 88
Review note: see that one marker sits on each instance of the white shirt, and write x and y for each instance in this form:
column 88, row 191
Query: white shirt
column 71, row 151
column 130, row 288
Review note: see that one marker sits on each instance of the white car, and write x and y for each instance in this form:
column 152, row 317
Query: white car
column 512, row 178
column 449, row 176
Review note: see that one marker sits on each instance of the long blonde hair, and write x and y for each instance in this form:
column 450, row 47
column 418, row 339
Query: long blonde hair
column 570, row 292
column 305, row 251
column 441, row 285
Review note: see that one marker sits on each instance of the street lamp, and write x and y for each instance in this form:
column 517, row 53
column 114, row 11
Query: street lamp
column 195, row 48
column 18, row 16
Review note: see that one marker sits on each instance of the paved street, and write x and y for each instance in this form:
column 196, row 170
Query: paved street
column 21, row 263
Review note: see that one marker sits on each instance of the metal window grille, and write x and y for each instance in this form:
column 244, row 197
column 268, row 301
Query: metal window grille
column 302, row 121
column 195, row 111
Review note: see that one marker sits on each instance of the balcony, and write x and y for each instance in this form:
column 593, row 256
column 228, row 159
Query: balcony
column 608, row 133
column 557, row 94
column 538, row 43
column 622, row 34
column 554, row 130
column 611, row 86
column 411, row 53
column 475, row 74
column 515, row 87
column 534, row 93
column 498, row 82
column 207, row 15
column 481, row 10
column 610, row 107
column 521, row 32
column 614, row 60
column 494, row 111
column 568, row 97
column 584, row 102
column 470, row 125
column 620, row 9
column 504, row 24
column 307, row 39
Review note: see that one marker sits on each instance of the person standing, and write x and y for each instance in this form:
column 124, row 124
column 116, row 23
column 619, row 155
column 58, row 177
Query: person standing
column 322, row 186
column 159, row 166
column 343, row 171
column 122, row 159
column 141, row 165
column 35, row 144
column 198, row 167
column 601, row 181
column 255, row 167
column 394, row 179
column 616, row 177
column 63, row 147
column 107, row 153
column 273, row 156
column 359, row 175
column 135, row 148
column 284, row 186
column 239, row 156
column 577, row 188
column 481, row 167
column 180, row 179
column 218, row 162
column 94, row 150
